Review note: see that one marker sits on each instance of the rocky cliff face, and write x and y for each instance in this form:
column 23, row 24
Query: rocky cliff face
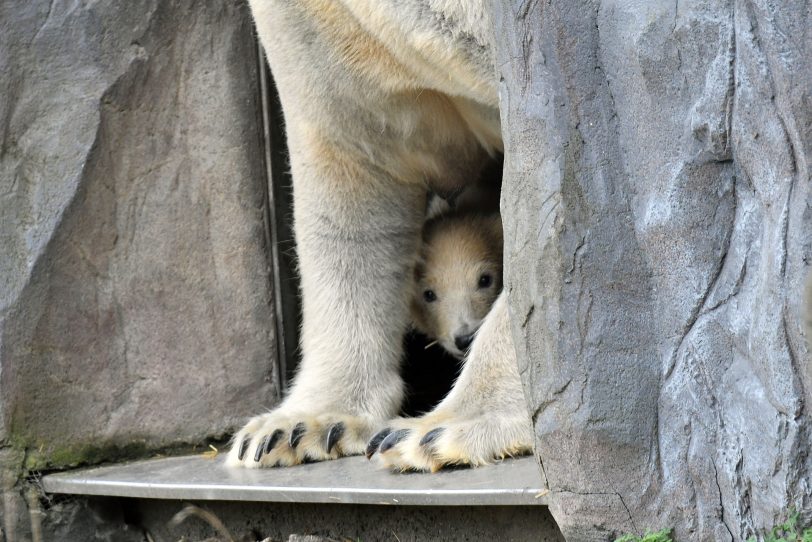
column 656, row 209
column 135, row 298
column 135, row 280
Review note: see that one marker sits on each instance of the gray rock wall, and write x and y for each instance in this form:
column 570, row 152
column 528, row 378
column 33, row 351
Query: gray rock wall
column 656, row 208
column 135, row 301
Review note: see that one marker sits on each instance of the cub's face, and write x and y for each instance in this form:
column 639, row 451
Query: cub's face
column 457, row 278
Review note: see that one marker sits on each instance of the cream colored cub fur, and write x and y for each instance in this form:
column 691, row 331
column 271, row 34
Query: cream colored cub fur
column 458, row 276
column 382, row 100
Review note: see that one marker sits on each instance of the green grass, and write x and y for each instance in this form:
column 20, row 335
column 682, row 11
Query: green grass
column 659, row 536
column 787, row 532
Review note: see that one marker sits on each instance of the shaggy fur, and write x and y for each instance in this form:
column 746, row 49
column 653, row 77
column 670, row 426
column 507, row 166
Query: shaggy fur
column 382, row 100
column 458, row 276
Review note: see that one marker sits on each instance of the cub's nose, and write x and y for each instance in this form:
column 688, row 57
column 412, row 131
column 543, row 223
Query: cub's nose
column 463, row 341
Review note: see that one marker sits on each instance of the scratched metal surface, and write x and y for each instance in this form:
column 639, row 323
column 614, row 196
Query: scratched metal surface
column 350, row 480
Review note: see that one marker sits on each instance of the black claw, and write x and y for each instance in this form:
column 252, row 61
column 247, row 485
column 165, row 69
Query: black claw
column 246, row 440
column 260, row 449
column 335, row 433
column 431, row 436
column 296, row 435
column 375, row 441
column 392, row 439
column 271, row 441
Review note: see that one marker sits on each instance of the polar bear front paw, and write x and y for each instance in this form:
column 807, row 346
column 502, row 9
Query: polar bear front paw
column 433, row 442
column 279, row 439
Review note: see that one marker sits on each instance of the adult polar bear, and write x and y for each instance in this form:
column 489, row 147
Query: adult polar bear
column 382, row 99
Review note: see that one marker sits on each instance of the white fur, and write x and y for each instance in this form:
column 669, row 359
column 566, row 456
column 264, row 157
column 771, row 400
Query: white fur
column 382, row 98
column 459, row 249
column 483, row 418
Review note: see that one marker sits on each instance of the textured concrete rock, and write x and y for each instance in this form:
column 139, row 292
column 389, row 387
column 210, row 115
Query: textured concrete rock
column 14, row 522
column 656, row 207
column 341, row 522
column 135, row 300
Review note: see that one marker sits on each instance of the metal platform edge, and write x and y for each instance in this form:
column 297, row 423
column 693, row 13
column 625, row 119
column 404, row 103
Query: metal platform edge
column 353, row 480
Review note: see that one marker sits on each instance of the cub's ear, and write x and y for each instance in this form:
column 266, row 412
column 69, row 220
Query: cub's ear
column 436, row 206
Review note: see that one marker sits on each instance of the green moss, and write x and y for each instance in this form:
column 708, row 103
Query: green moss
column 77, row 454
column 46, row 457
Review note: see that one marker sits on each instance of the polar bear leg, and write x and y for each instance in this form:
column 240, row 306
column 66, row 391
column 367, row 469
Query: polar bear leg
column 365, row 136
column 483, row 418
column 357, row 233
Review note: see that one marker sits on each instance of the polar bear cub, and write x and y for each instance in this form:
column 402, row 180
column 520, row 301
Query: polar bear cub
column 457, row 296
column 458, row 276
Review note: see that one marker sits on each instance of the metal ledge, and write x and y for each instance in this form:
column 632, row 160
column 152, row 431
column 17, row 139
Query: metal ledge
column 351, row 480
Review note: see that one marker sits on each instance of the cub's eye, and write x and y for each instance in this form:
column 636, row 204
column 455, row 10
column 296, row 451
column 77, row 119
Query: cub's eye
column 429, row 296
column 485, row 280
